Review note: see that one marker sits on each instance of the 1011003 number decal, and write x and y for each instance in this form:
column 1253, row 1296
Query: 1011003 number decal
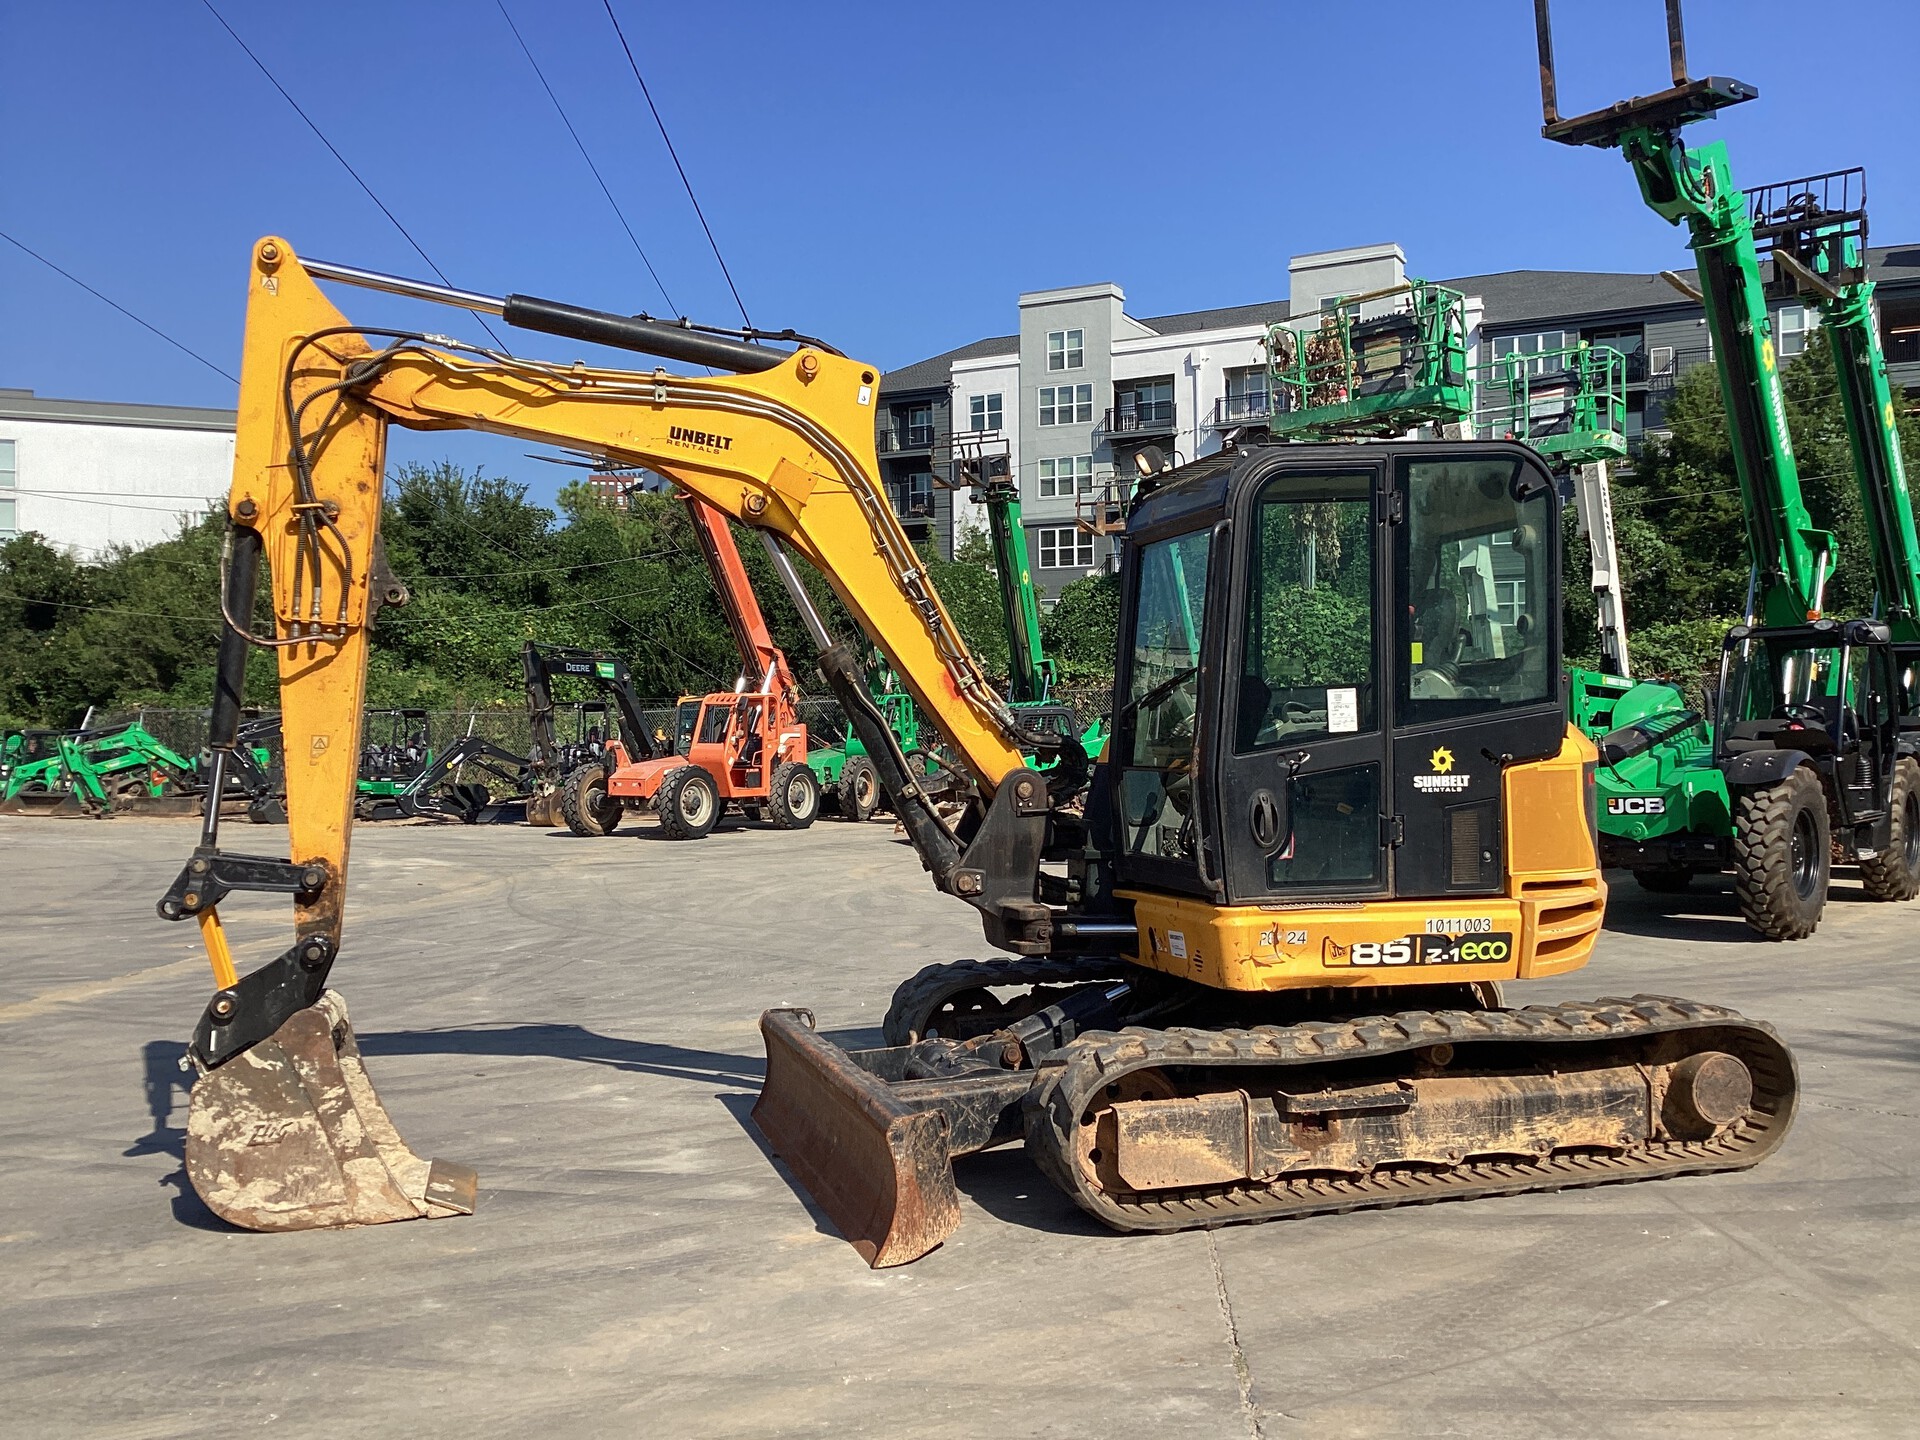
column 1461, row 925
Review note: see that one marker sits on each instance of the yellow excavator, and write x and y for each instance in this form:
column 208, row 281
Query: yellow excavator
column 1254, row 962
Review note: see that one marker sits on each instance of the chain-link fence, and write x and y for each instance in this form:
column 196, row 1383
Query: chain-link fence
column 185, row 730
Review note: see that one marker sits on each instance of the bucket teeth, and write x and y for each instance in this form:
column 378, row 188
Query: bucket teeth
column 290, row 1135
column 881, row 1169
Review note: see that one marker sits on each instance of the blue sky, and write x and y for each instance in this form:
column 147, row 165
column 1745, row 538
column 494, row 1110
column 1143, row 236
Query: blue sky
column 887, row 176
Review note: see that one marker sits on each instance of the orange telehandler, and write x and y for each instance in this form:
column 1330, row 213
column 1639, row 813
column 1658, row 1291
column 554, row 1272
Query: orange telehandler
column 748, row 746
column 1254, row 970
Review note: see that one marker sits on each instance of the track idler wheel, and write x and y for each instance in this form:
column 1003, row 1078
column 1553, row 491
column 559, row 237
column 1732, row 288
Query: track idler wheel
column 289, row 1135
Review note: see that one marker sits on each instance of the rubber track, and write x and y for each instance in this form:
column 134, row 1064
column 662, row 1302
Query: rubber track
column 918, row 997
column 1094, row 1061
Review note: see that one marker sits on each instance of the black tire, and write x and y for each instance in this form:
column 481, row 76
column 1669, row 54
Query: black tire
column 1894, row 874
column 688, row 804
column 858, row 792
column 1664, row 882
column 585, row 804
column 1782, row 858
column 793, row 800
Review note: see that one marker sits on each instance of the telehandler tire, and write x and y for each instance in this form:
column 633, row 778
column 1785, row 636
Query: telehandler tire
column 793, row 800
column 1894, row 874
column 585, row 804
column 1782, row 860
column 858, row 792
column 688, row 803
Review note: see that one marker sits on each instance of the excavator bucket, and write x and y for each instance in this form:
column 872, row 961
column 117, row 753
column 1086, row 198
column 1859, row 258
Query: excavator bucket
column 289, row 1135
column 881, row 1169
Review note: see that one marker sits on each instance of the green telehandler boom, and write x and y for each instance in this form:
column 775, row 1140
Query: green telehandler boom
column 1805, row 728
column 981, row 464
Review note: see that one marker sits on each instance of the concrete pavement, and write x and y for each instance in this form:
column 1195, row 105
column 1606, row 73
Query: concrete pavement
column 576, row 1019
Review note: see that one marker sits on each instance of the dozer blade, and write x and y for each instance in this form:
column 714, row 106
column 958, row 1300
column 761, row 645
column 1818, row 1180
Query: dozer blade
column 289, row 1135
column 54, row 804
column 878, row 1167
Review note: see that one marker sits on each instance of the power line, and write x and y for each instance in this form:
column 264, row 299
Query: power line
column 118, row 306
column 106, row 609
column 676, row 162
column 585, row 156
column 332, row 149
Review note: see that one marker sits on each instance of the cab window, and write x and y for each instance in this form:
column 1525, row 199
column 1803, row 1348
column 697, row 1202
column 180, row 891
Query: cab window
column 1307, row 665
column 1476, row 631
column 1169, row 621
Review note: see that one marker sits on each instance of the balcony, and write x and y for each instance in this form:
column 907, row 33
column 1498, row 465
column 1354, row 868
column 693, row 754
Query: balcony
column 1155, row 417
column 906, row 440
column 912, row 502
column 1231, row 412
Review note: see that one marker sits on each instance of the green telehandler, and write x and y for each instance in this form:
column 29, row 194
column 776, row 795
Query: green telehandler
column 1800, row 759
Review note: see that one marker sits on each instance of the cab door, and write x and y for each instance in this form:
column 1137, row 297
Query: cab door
column 1476, row 656
column 1304, row 756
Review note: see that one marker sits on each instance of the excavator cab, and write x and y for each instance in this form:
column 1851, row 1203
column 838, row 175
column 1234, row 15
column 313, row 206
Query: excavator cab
column 1383, row 624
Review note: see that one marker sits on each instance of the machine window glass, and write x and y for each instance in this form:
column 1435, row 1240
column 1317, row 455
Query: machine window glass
column 1771, row 681
column 1474, row 634
column 1336, row 833
column 1308, row 664
column 713, row 725
column 1169, row 621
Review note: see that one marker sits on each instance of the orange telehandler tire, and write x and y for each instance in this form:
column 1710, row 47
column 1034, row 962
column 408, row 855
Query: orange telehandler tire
column 688, row 803
column 794, row 801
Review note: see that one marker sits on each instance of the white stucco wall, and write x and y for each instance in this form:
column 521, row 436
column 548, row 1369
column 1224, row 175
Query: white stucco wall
column 986, row 375
column 89, row 487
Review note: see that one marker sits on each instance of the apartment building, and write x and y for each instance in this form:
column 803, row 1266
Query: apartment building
column 1082, row 386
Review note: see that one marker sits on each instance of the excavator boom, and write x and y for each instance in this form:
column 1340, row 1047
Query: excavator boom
column 285, row 1131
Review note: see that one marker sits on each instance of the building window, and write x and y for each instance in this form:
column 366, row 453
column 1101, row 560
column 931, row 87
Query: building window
column 1246, row 396
column 9, row 478
column 913, row 426
column 1540, row 345
column 1065, row 350
column 983, row 412
column 1660, row 360
column 1511, row 598
column 1066, row 404
column 1793, row 325
column 1065, row 547
column 1144, row 405
column 913, row 496
column 1058, row 477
